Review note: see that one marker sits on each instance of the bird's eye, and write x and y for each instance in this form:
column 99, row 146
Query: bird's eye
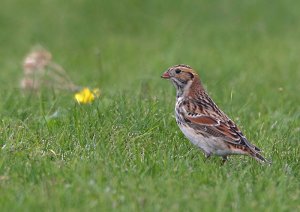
column 177, row 71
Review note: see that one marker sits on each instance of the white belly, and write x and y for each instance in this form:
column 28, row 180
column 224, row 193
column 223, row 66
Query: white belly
column 210, row 146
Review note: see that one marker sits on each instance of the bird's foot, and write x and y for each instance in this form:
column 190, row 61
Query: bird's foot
column 207, row 156
column 224, row 159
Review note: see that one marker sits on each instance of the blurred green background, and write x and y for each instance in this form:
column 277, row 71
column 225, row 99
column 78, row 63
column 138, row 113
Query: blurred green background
column 125, row 152
column 124, row 42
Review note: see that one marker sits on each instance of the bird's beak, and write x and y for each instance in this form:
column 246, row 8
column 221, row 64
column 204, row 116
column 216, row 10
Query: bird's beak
column 166, row 75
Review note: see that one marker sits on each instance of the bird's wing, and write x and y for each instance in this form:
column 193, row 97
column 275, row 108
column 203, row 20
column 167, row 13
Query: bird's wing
column 211, row 121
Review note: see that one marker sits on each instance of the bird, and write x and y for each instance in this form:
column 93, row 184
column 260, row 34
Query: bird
column 201, row 120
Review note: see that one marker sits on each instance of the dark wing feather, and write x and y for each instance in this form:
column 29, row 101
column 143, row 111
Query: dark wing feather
column 211, row 121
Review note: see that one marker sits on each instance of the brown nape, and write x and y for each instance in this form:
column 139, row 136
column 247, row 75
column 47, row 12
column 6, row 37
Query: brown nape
column 196, row 87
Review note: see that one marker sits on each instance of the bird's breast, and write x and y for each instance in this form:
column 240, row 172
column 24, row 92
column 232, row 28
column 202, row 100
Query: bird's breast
column 209, row 145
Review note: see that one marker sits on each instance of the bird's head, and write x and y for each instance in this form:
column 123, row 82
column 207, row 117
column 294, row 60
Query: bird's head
column 183, row 78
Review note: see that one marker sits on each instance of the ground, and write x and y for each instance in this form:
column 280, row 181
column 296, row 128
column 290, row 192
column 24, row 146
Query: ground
column 124, row 151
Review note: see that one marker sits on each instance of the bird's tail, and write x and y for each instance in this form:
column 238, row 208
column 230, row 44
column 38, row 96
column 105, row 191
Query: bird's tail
column 257, row 156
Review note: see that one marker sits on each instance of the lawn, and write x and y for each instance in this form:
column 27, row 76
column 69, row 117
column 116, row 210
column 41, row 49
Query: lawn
column 124, row 151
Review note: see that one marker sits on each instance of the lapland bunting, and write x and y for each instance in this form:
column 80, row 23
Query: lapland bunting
column 202, row 122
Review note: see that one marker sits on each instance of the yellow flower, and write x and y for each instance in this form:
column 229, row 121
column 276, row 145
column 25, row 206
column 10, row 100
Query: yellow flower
column 86, row 96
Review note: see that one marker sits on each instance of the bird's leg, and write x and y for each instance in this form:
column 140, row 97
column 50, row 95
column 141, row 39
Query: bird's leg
column 207, row 156
column 224, row 159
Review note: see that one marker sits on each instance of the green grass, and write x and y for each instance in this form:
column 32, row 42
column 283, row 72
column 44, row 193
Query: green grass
column 125, row 152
